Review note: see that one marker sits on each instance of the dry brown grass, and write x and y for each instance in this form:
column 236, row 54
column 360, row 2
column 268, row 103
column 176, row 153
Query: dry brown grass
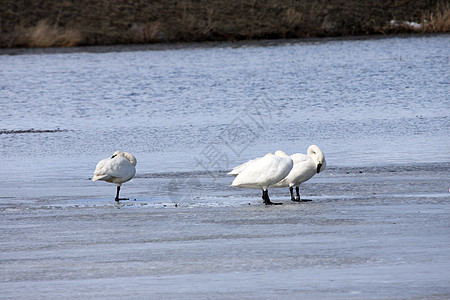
column 147, row 33
column 438, row 21
column 435, row 21
column 292, row 17
column 87, row 22
column 45, row 35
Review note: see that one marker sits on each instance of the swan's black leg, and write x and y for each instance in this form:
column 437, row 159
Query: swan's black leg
column 267, row 200
column 297, row 190
column 291, row 190
column 297, row 199
column 117, row 195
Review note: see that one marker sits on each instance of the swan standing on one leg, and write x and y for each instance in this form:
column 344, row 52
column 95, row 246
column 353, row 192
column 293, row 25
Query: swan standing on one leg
column 305, row 167
column 117, row 169
column 262, row 172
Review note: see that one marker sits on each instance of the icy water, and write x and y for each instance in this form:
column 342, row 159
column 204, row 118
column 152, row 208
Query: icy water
column 378, row 225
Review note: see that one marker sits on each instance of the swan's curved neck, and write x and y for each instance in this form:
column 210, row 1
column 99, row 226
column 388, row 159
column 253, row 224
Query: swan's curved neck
column 131, row 158
column 281, row 154
column 128, row 156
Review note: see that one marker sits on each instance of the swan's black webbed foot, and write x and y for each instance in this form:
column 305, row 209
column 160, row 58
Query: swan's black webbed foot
column 119, row 199
column 297, row 198
column 272, row 203
column 301, row 200
column 266, row 199
column 117, row 195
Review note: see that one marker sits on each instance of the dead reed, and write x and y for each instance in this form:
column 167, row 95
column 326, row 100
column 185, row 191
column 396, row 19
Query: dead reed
column 45, row 35
column 437, row 21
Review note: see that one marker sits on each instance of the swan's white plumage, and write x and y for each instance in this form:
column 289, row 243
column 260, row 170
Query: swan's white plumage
column 262, row 172
column 305, row 167
column 117, row 169
column 238, row 169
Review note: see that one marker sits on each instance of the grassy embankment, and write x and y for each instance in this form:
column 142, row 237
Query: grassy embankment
column 69, row 22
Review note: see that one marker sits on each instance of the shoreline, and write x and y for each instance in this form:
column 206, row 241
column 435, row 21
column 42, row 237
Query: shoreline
column 204, row 44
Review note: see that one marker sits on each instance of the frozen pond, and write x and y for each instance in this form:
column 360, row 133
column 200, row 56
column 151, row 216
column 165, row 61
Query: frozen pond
column 378, row 225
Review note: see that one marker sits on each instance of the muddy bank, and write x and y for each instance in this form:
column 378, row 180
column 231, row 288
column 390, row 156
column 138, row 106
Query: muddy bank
column 69, row 23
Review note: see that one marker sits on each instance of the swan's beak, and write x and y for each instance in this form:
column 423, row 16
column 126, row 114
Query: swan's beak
column 319, row 165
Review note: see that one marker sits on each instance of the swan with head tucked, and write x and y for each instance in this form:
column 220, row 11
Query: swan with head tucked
column 305, row 167
column 119, row 168
column 262, row 172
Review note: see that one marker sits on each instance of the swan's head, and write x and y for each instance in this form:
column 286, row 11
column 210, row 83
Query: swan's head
column 126, row 155
column 317, row 155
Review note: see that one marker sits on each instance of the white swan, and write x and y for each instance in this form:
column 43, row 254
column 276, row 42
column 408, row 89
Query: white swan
column 119, row 168
column 262, row 172
column 305, row 167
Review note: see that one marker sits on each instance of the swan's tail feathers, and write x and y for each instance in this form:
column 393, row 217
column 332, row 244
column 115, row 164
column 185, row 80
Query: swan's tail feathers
column 235, row 172
column 241, row 167
column 244, row 185
column 99, row 177
column 234, row 184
